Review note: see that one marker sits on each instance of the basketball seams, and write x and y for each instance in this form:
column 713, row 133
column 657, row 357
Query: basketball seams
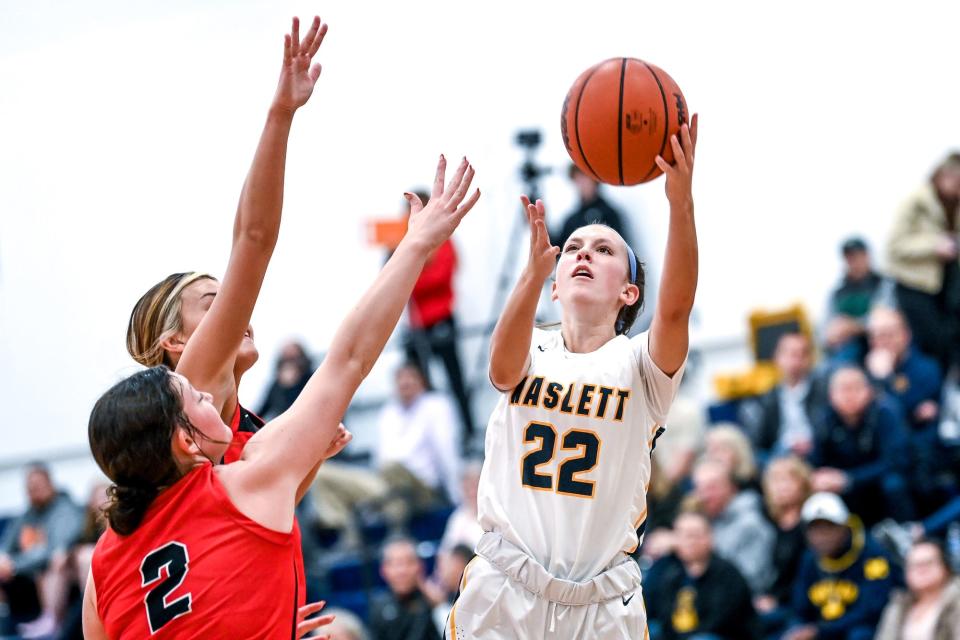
column 666, row 118
column 576, row 123
column 623, row 73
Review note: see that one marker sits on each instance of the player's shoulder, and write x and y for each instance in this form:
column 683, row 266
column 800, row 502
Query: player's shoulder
column 544, row 340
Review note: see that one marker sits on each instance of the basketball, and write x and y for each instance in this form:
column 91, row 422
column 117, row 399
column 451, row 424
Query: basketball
column 618, row 116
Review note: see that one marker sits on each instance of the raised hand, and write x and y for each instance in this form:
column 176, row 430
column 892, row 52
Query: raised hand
column 435, row 222
column 679, row 185
column 298, row 76
column 543, row 255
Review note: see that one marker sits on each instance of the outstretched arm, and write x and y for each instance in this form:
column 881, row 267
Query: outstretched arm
column 207, row 360
column 283, row 452
column 669, row 332
column 510, row 344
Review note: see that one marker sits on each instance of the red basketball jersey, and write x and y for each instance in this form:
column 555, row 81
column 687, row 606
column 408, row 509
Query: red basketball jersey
column 198, row 568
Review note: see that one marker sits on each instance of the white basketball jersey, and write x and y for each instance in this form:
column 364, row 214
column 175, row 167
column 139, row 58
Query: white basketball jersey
column 568, row 453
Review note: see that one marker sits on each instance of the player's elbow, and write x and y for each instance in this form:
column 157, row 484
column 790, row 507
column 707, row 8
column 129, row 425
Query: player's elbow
column 504, row 378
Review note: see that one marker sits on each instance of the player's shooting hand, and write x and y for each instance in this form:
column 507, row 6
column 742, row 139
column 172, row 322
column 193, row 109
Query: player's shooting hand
column 298, row 76
column 434, row 223
column 679, row 186
column 305, row 626
column 543, row 255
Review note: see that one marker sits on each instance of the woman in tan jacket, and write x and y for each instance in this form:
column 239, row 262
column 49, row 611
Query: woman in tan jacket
column 930, row 608
column 922, row 256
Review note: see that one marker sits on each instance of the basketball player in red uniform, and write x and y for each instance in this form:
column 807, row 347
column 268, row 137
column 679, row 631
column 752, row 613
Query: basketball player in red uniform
column 202, row 550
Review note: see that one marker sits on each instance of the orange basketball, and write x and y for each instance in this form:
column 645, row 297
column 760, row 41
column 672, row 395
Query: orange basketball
column 618, row 116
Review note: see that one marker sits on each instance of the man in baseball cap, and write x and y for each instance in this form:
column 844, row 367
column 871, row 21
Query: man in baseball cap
column 844, row 579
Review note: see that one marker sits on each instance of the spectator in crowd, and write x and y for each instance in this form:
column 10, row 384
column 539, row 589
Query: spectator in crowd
column 664, row 501
column 33, row 555
column 78, row 561
column 441, row 589
column 861, row 451
column 433, row 327
column 290, row 376
column 463, row 528
column 786, row 486
column 345, row 626
column 727, row 443
column 922, row 258
column 677, row 449
column 404, row 613
column 592, row 207
column 930, row 607
column 781, row 421
column 845, row 577
column 860, row 289
column 416, row 461
column 908, row 376
column 694, row 593
column 741, row 534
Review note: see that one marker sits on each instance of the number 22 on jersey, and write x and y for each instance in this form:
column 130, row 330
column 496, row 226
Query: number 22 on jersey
column 587, row 443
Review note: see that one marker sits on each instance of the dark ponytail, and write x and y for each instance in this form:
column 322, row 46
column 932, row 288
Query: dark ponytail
column 130, row 431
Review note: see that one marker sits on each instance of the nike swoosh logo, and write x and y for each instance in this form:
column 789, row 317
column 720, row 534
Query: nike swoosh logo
column 540, row 346
column 626, row 601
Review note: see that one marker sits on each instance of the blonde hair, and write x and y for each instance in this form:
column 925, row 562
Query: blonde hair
column 728, row 434
column 156, row 317
column 797, row 468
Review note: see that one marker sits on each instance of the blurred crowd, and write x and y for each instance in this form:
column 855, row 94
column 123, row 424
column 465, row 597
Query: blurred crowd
column 826, row 508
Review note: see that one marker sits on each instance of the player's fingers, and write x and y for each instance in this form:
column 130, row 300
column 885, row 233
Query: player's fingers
column 541, row 209
column 416, row 205
column 295, row 37
column 693, row 128
column 318, row 40
column 464, row 186
column 457, row 178
column 687, row 139
column 307, row 626
column 307, row 41
column 287, row 55
column 466, row 206
column 315, row 72
column 310, row 609
column 664, row 165
column 438, row 180
column 678, row 156
column 525, row 201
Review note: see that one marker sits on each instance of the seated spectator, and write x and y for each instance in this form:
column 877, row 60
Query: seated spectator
column 290, row 376
column 861, row 289
column 664, row 499
column 781, row 421
column 442, row 587
column 463, row 528
column 78, row 561
column 922, row 259
column 741, row 534
column 908, row 376
column 416, row 461
column 786, row 486
column 404, row 613
column 930, row 607
column 728, row 444
column 861, row 450
column 33, row 555
column 694, row 593
column 345, row 626
column 845, row 577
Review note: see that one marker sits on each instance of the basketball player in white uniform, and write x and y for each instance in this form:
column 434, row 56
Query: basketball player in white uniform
column 562, row 496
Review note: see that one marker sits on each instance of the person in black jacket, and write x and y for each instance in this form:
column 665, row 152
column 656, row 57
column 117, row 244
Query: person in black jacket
column 862, row 450
column 404, row 613
column 693, row 594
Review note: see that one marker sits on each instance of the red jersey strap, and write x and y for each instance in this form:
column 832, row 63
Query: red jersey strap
column 243, row 425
